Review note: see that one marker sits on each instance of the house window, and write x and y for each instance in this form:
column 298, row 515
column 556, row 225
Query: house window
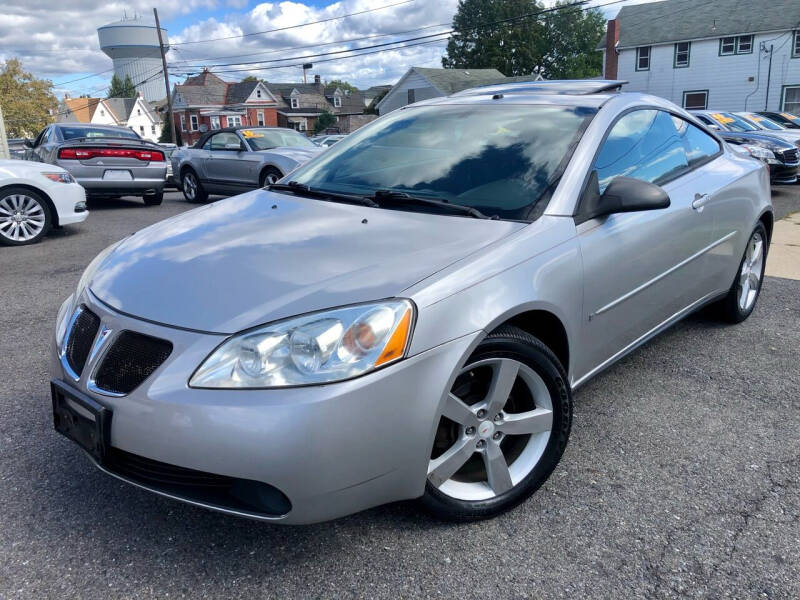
column 727, row 46
column 682, row 50
column 412, row 96
column 183, row 122
column 643, row 58
column 744, row 44
column 214, row 122
column 337, row 102
column 796, row 45
column 695, row 100
column 139, row 111
column 302, row 125
column 234, row 121
column 258, row 93
column 152, row 128
column 260, row 115
column 193, row 121
column 102, row 113
column 295, row 103
column 141, row 129
column 791, row 99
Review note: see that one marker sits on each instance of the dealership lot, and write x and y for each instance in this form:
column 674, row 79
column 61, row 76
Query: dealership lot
column 681, row 477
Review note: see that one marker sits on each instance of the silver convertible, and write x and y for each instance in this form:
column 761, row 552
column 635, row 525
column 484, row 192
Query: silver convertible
column 409, row 314
column 238, row 159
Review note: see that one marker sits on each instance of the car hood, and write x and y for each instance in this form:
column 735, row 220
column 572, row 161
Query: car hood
column 757, row 139
column 296, row 153
column 264, row 256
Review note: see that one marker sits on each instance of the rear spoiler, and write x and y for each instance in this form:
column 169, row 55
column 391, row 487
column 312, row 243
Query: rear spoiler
column 106, row 138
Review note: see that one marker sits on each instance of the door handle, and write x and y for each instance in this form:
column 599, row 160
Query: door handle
column 700, row 200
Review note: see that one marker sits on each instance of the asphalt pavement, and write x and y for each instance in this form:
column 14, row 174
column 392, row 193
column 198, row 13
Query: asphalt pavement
column 682, row 478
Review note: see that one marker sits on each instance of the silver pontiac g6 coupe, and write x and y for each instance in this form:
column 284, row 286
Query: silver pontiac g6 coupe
column 408, row 314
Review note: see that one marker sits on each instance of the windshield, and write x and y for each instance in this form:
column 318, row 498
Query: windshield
column 76, row 131
column 501, row 160
column 733, row 122
column 763, row 122
column 264, row 139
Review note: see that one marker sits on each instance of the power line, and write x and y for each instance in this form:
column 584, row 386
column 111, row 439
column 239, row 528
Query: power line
column 231, row 37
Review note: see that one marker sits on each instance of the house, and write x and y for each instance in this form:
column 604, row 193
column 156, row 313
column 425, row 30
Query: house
column 718, row 54
column 422, row 84
column 135, row 113
column 303, row 103
column 205, row 102
column 374, row 92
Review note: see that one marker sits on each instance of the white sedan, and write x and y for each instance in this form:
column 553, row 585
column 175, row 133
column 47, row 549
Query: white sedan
column 34, row 197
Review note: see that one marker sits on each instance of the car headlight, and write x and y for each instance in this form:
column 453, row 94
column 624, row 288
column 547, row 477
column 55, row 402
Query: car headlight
column 768, row 156
column 321, row 347
column 90, row 270
column 60, row 177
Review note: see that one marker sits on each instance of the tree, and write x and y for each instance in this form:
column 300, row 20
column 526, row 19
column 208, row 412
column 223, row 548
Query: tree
column 28, row 103
column 341, row 84
column 372, row 109
column 324, row 120
column 166, row 134
column 120, row 88
column 250, row 78
column 560, row 43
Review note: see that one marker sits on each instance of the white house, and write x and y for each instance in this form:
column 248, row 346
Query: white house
column 422, row 84
column 135, row 113
column 718, row 54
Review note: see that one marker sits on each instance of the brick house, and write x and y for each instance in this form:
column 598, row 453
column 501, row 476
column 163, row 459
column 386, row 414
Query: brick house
column 301, row 104
column 206, row 102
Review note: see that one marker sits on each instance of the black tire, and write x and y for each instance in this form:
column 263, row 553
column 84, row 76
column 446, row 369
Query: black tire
column 269, row 175
column 511, row 342
column 38, row 213
column 199, row 195
column 153, row 199
column 729, row 309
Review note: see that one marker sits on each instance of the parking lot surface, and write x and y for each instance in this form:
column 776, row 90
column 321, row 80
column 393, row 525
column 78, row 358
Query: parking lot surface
column 682, row 478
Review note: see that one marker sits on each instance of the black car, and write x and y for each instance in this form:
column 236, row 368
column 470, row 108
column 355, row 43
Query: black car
column 782, row 158
column 786, row 119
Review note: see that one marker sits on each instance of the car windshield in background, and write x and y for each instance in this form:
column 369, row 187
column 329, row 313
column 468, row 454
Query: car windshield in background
column 733, row 122
column 765, row 123
column 72, row 132
column 265, row 139
column 501, row 160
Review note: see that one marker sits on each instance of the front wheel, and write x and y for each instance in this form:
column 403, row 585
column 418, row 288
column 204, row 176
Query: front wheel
column 504, row 427
column 193, row 190
column 24, row 217
column 269, row 176
column 743, row 293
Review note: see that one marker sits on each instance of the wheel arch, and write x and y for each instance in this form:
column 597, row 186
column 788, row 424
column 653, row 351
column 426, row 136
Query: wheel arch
column 269, row 165
column 768, row 220
column 547, row 327
column 44, row 195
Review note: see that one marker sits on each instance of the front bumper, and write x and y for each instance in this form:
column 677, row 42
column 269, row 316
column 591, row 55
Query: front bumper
column 69, row 200
column 332, row 449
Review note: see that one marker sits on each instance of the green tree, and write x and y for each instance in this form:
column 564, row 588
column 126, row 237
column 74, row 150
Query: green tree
column 250, row 78
column 342, row 85
column 121, row 88
column 560, row 43
column 28, row 103
column 166, row 135
column 372, row 109
column 324, row 120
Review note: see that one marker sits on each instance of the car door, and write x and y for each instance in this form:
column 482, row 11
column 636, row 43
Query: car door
column 228, row 163
column 642, row 268
column 38, row 151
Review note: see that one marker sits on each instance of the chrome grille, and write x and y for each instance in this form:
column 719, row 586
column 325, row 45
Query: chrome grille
column 80, row 338
column 130, row 360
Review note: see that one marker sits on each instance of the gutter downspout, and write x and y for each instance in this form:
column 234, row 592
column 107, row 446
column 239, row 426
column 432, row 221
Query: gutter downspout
column 769, row 75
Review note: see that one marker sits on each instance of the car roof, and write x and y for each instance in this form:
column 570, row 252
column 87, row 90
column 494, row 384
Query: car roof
column 571, row 87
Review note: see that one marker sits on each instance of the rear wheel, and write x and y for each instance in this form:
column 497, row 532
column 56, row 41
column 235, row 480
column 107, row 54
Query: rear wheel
column 269, row 176
column 743, row 293
column 192, row 188
column 24, row 217
column 153, row 199
column 503, row 430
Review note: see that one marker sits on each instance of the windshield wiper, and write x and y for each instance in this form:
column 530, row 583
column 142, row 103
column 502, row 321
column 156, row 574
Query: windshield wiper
column 301, row 189
column 397, row 197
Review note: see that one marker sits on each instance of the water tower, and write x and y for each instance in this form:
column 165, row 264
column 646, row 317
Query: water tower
column 133, row 46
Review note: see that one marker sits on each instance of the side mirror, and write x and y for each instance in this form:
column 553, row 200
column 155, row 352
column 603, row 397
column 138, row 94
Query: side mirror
column 234, row 146
column 28, row 142
column 714, row 127
column 623, row 194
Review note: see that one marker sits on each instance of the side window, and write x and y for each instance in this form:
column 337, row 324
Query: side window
column 698, row 144
column 219, row 141
column 643, row 144
column 40, row 138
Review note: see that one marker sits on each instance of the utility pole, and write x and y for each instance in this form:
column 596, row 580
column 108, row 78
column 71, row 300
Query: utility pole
column 166, row 79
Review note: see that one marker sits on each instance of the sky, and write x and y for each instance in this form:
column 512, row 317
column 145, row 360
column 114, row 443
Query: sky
column 57, row 39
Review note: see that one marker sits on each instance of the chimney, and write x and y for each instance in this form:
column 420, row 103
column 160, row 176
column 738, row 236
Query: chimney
column 612, row 58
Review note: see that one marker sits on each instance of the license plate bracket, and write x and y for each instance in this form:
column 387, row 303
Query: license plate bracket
column 81, row 419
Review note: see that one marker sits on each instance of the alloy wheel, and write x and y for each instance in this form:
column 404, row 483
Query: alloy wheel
column 189, row 186
column 751, row 272
column 495, row 426
column 22, row 218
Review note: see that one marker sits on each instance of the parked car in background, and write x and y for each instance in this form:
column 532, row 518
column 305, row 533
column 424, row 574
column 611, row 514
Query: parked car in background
column 237, row 159
column 782, row 157
column 16, row 148
column 787, row 119
column 35, row 197
column 169, row 150
column 770, row 127
column 327, row 140
column 407, row 315
column 108, row 161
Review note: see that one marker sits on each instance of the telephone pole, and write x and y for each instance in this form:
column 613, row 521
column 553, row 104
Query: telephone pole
column 166, row 79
